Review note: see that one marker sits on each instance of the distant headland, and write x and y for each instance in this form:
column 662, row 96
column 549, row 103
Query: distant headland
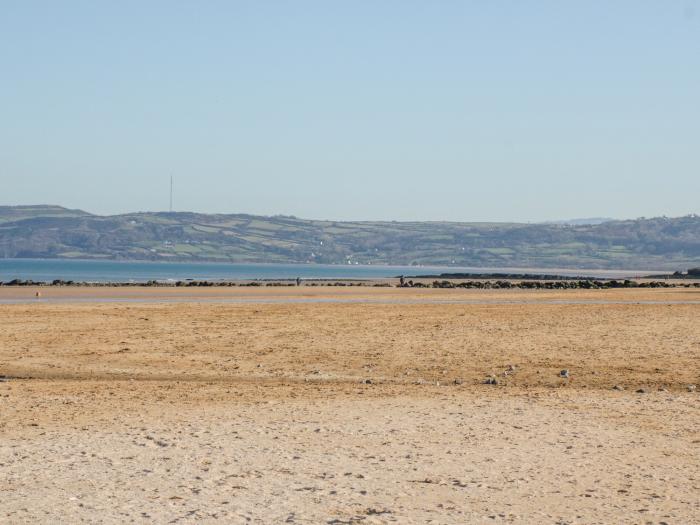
column 660, row 243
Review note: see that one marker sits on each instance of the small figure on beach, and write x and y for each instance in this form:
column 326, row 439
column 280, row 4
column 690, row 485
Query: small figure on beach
column 298, row 281
column 38, row 294
column 401, row 281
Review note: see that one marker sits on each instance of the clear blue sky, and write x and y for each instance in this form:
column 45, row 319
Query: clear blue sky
column 471, row 110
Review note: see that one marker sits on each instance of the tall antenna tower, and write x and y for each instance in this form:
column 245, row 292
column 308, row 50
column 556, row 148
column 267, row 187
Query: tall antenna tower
column 171, row 193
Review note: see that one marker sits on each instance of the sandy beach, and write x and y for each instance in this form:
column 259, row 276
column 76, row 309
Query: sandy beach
column 353, row 405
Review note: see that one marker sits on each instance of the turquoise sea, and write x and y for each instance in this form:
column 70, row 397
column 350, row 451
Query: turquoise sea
column 130, row 271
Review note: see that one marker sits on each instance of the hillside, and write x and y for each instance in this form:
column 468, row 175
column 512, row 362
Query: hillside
column 55, row 232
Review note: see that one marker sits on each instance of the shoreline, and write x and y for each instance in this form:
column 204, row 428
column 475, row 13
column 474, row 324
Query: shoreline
column 478, row 282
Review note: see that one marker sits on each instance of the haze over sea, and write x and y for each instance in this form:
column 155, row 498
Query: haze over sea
column 142, row 271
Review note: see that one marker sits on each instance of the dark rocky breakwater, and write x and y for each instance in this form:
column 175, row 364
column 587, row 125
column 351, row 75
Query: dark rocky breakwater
column 566, row 284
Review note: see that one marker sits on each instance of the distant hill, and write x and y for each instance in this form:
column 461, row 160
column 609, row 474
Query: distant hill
column 15, row 213
column 55, row 232
column 581, row 222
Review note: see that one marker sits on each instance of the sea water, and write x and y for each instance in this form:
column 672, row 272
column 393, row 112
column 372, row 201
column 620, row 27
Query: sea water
column 132, row 271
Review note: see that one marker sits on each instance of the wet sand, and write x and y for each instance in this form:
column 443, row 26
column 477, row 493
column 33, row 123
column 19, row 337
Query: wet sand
column 185, row 410
column 339, row 294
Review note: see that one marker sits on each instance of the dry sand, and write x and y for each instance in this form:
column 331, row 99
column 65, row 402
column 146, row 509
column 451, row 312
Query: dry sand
column 188, row 410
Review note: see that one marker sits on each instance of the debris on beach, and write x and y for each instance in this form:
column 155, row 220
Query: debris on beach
column 510, row 369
